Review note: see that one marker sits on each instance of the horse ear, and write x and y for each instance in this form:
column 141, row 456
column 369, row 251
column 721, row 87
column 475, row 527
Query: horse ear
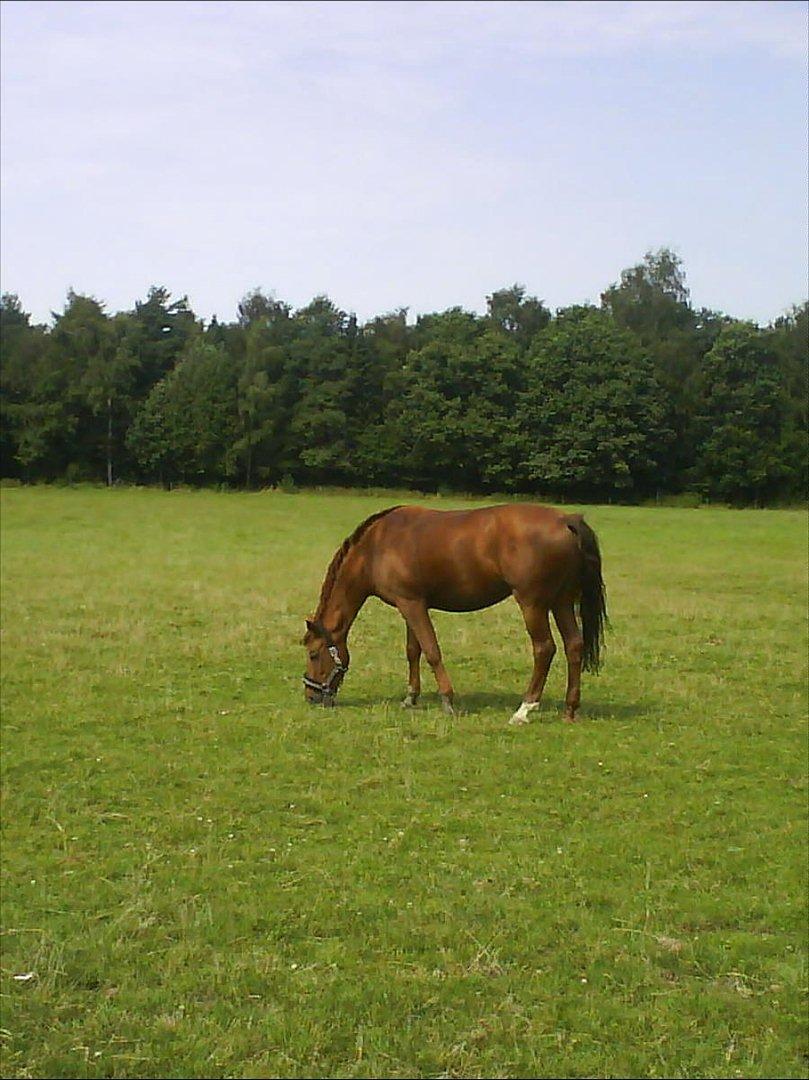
column 310, row 626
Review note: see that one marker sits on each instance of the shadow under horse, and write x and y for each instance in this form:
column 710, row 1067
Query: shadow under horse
column 415, row 559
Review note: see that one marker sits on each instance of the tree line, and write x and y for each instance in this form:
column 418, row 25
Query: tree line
column 642, row 396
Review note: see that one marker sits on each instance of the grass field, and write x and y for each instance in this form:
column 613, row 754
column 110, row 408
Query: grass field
column 205, row 877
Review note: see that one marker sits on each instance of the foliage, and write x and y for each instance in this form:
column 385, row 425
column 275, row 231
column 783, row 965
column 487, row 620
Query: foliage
column 790, row 341
column 592, row 416
column 454, row 405
column 518, row 315
column 741, row 417
column 189, row 420
column 160, row 330
column 652, row 298
column 631, row 401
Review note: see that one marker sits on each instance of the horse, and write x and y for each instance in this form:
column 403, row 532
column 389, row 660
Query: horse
column 416, row 559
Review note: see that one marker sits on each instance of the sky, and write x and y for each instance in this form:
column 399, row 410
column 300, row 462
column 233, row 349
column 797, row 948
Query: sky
column 392, row 155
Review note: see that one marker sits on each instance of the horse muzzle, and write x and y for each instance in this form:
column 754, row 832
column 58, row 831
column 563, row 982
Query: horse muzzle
column 322, row 694
column 323, row 701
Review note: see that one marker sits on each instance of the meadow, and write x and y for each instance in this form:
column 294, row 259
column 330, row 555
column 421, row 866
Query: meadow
column 205, row 877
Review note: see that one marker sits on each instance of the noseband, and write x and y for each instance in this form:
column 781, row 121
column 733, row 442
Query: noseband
column 325, row 688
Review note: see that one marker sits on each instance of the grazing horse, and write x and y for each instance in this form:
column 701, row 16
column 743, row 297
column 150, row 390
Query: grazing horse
column 415, row 559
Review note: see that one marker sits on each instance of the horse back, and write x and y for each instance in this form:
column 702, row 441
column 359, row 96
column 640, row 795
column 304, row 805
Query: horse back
column 463, row 560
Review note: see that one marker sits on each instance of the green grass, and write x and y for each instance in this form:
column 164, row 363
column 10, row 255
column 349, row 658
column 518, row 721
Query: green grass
column 208, row 878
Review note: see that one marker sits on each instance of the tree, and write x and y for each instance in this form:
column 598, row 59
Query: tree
column 378, row 360
column 319, row 363
column 790, row 342
column 94, row 355
column 645, row 394
column 187, row 427
column 264, row 399
column 23, row 348
column 591, row 420
column 107, row 384
column 519, row 316
column 452, row 404
column 652, row 298
column 58, row 432
column 256, row 307
column 161, row 328
column 149, row 437
column 741, row 416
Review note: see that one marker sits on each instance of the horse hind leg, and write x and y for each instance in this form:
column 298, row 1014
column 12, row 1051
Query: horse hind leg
column 414, row 672
column 539, row 630
column 565, row 618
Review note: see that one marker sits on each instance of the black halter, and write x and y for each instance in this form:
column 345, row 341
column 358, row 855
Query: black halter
column 325, row 687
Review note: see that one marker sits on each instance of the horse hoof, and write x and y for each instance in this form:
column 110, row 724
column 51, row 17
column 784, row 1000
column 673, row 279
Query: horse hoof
column 409, row 701
column 446, row 705
column 521, row 716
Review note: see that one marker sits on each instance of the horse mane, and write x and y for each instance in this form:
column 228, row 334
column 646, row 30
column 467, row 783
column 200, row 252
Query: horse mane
column 340, row 554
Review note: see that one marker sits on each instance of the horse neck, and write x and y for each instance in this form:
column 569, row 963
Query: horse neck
column 349, row 593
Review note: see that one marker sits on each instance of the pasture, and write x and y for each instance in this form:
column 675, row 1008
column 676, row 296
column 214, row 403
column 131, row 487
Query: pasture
column 205, row 877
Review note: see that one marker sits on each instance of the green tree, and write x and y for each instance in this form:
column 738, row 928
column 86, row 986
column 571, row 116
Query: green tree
column 160, row 330
column 149, row 437
column 264, row 404
column 519, row 316
column 741, row 417
column 26, row 432
column 319, row 365
column 378, row 361
column 592, row 418
column 257, row 308
column 451, row 410
column 58, row 430
column 188, row 425
column 790, row 341
column 95, row 368
column 652, row 298
column 107, row 385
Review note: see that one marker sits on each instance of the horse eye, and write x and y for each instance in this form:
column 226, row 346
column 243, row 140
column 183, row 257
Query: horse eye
column 313, row 655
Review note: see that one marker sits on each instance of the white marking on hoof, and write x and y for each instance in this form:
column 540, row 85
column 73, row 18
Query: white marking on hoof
column 410, row 700
column 521, row 715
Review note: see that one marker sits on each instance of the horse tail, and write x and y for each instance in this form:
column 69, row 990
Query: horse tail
column 593, row 601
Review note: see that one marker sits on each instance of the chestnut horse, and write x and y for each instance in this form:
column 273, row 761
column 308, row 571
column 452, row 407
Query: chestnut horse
column 415, row 559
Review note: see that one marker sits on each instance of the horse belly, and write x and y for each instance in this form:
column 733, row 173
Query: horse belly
column 461, row 575
column 460, row 596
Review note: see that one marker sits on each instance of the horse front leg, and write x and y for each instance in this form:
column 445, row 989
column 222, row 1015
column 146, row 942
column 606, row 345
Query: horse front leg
column 414, row 666
column 539, row 630
column 418, row 620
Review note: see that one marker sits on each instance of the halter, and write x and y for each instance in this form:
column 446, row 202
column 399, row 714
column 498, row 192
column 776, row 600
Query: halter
column 339, row 668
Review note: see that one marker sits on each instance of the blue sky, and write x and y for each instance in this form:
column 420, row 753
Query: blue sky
column 402, row 154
